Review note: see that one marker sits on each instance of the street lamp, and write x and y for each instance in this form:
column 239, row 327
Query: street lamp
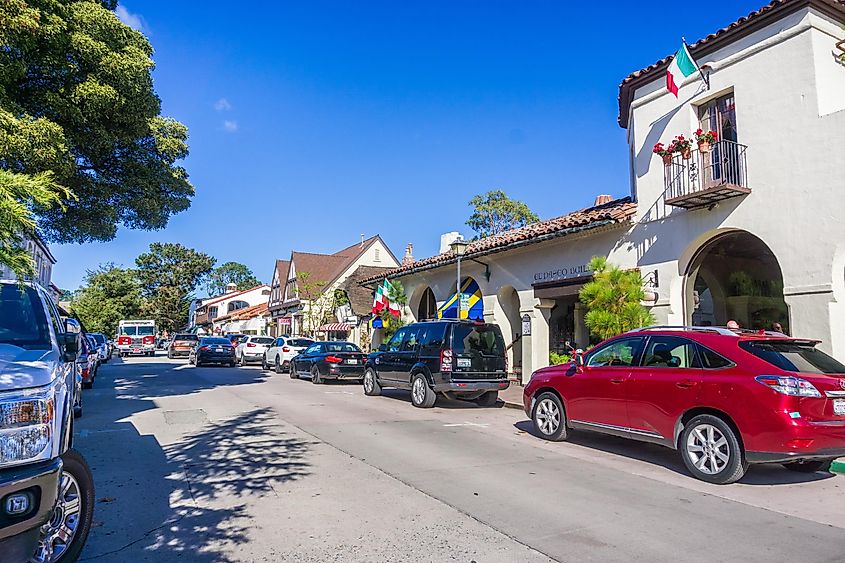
column 459, row 248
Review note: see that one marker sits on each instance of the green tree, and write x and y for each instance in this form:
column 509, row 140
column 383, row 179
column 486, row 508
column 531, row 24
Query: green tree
column 613, row 299
column 20, row 196
column 396, row 294
column 77, row 100
column 168, row 275
column 494, row 213
column 317, row 303
column 230, row 272
column 109, row 295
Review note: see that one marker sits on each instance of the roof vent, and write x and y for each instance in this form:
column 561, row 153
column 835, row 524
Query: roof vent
column 603, row 198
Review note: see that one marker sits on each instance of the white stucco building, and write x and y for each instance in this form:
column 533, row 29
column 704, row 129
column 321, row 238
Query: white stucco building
column 750, row 231
column 233, row 300
column 43, row 258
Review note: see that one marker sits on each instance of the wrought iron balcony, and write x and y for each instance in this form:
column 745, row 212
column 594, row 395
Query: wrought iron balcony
column 707, row 177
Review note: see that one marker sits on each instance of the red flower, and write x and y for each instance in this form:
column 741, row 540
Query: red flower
column 715, row 136
column 698, row 131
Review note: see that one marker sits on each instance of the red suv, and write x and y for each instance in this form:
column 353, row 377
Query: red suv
column 723, row 398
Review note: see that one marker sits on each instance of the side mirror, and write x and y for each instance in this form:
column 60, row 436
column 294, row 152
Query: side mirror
column 579, row 359
column 70, row 342
column 382, row 348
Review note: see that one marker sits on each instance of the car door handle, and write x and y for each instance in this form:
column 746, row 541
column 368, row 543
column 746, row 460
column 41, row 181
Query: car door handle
column 686, row 384
column 617, row 381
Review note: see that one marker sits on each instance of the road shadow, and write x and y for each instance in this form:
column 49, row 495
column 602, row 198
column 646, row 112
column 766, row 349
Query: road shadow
column 187, row 501
column 441, row 402
column 762, row 474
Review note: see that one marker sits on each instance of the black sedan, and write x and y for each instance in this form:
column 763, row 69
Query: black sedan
column 212, row 350
column 329, row 360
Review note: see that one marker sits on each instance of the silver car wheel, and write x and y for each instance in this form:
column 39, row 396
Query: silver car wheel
column 547, row 417
column 368, row 381
column 419, row 390
column 708, row 449
column 58, row 533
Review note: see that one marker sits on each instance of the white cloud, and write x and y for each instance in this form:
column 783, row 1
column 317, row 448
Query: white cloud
column 222, row 105
column 230, row 126
column 135, row 21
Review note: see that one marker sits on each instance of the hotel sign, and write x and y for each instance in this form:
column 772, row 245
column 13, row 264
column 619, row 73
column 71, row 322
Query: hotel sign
column 563, row 273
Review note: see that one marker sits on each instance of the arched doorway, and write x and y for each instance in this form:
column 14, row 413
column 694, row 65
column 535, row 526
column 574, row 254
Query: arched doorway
column 427, row 308
column 735, row 276
column 511, row 325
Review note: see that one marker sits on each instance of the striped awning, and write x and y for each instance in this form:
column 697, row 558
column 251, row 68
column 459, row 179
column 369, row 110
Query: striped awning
column 336, row 327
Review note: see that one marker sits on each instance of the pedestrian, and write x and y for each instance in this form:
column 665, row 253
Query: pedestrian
column 777, row 327
column 733, row 325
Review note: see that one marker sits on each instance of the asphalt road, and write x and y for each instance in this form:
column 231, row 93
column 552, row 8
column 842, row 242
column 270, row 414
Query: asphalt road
column 237, row 464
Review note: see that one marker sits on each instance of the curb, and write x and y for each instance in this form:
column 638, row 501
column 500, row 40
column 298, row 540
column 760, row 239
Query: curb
column 509, row 405
column 838, row 466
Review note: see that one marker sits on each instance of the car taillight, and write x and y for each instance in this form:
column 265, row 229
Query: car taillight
column 285, row 349
column 446, row 360
column 789, row 385
column 250, row 345
column 334, row 359
column 204, row 348
column 85, row 371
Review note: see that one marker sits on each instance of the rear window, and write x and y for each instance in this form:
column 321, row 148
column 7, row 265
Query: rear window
column 485, row 339
column 300, row 342
column 262, row 340
column 340, row 347
column 192, row 337
column 793, row 356
column 215, row 341
column 22, row 319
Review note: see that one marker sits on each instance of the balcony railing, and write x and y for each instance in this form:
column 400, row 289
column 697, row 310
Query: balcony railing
column 707, row 177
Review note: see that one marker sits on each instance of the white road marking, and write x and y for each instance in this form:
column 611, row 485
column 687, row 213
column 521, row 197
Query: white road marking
column 339, row 393
column 183, row 366
column 477, row 425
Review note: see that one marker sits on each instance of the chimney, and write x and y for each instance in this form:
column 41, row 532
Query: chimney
column 362, row 240
column 446, row 239
column 603, row 198
column 231, row 287
column 409, row 255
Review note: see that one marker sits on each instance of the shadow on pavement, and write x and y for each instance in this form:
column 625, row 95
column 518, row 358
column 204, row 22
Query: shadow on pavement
column 763, row 474
column 186, row 501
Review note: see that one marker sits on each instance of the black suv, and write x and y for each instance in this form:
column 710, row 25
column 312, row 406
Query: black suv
column 458, row 359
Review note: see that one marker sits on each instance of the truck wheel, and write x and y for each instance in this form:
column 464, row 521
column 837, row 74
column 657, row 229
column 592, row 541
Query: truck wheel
column 422, row 396
column 63, row 537
column 371, row 386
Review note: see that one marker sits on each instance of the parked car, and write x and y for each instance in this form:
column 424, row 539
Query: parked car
column 252, row 349
column 212, row 350
column 282, row 351
column 74, row 326
column 723, row 398
column 458, row 359
column 329, row 360
column 102, row 346
column 88, row 361
column 181, row 344
column 46, row 485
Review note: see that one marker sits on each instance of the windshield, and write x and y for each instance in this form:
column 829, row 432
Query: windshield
column 134, row 330
column 483, row 339
column 22, row 319
column 262, row 340
column 793, row 356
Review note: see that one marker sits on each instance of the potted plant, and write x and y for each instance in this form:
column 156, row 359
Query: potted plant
column 664, row 152
column 705, row 139
column 683, row 146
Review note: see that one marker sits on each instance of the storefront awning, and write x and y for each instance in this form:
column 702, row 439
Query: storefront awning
column 336, row 327
column 472, row 304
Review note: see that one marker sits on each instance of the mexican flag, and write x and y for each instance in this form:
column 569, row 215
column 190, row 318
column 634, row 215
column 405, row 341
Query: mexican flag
column 395, row 309
column 682, row 66
column 380, row 299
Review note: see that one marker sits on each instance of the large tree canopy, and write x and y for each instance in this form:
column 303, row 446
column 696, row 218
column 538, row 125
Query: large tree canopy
column 110, row 294
column 77, row 100
column 494, row 213
column 230, row 272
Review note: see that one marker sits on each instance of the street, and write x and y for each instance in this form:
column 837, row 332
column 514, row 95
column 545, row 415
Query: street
column 239, row 464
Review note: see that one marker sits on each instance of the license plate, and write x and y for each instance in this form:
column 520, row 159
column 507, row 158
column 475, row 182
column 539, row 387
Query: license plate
column 136, row 351
column 464, row 362
column 352, row 361
column 839, row 406
column 218, row 349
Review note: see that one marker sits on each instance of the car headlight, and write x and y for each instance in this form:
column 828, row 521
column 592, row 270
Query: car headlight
column 27, row 425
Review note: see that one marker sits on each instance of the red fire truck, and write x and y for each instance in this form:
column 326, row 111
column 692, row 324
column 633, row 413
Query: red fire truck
column 136, row 338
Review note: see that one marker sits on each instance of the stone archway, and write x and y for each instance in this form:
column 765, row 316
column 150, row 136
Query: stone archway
column 511, row 325
column 427, row 307
column 735, row 276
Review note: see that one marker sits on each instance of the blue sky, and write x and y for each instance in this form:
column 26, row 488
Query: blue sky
column 313, row 122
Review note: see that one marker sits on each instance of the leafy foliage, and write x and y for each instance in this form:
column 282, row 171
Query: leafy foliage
column 109, row 295
column 168, row 275
column 613, row 300
column 230, row 272
column 316, row 305
column 77, row 100
column 20, row 196
column 494, row 213
column 556, row 359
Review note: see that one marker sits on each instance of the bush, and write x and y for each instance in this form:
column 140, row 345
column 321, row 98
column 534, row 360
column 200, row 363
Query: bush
column 556, row 359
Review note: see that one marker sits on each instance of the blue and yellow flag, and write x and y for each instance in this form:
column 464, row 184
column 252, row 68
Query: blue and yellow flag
column 472, row 305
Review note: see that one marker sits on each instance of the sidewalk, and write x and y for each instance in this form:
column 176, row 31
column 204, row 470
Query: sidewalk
column 512, row 396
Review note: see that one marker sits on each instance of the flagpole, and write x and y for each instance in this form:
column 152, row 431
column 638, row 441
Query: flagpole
column 704, row 77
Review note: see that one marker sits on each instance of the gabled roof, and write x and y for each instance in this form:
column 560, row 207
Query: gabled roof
column 361, row 298
column 326, row 268
column 281, row 270
column 754, row 21
column 614, row 212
